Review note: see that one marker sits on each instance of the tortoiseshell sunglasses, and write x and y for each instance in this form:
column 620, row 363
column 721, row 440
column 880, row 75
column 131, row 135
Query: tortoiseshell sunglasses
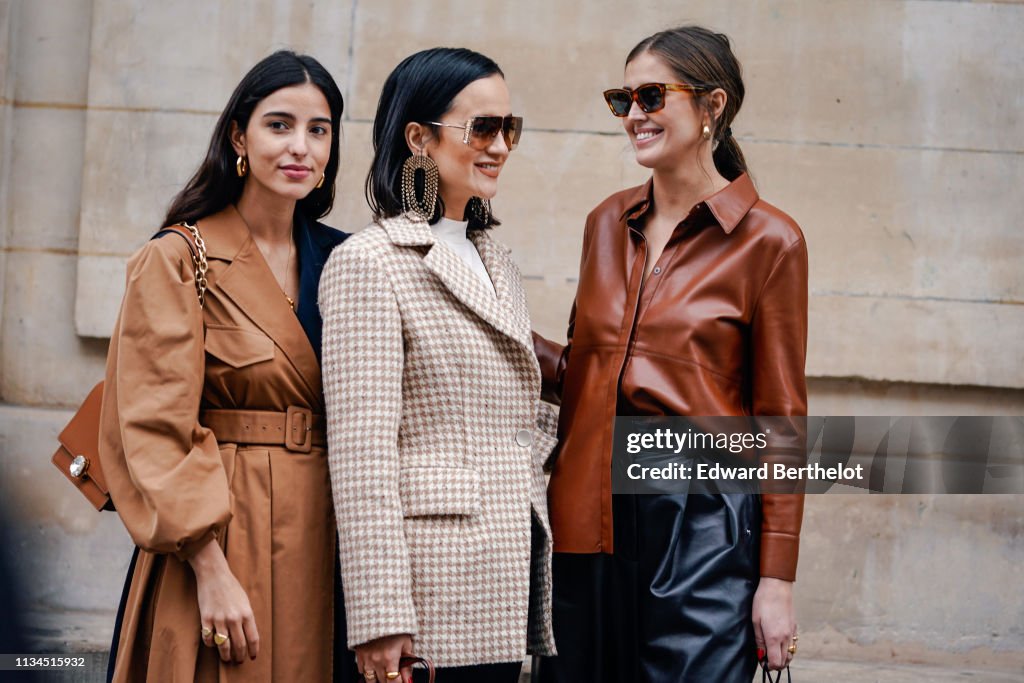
column 649, row 96
column 480, row 131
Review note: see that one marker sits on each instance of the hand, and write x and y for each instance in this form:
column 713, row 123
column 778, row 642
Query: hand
column 774, row 620
column 223, row 605
column 381, row 656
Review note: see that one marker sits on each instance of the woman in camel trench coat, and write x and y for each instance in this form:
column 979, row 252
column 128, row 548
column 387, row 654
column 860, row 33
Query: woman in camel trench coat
column 212, row 435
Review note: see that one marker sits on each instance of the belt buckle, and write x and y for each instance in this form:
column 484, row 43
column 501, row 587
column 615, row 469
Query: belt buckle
column 298, row 429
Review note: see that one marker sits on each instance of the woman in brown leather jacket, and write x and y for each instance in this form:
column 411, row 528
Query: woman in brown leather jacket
column 692, row 301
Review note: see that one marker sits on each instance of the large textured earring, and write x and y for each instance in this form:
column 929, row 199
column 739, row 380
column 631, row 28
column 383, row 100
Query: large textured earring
column 321, row 183
column 241, row 166
column 706, row 132
column 480, row 208
column 422, row 206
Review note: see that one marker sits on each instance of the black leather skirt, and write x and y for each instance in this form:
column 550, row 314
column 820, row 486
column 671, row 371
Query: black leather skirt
column 673, row 604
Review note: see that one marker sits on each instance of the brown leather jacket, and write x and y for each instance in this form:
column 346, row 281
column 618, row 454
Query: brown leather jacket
column 719, row 328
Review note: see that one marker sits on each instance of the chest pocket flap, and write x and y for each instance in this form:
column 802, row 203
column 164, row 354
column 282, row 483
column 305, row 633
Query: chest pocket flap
column 238, row 347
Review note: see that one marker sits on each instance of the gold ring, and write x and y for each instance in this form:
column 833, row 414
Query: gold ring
column 207, row 632
column 392, row 675
column 796, row 638
column 370, row 675
column 792, row 649
column 220, row 638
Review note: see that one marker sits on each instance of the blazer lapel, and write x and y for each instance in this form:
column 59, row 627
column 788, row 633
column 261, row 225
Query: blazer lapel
column 251, row 285
column 497, row 259
column 456, row 276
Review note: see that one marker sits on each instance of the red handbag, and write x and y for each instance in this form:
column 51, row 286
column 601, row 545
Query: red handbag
column 422, row 662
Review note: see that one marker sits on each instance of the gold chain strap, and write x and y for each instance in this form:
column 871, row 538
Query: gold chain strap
column 199, row 261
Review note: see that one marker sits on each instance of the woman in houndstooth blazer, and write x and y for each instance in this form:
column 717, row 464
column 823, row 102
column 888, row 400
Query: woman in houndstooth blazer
column 432, row 390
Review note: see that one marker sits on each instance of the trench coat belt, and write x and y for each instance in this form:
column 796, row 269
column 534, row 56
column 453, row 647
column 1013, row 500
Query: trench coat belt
column 297, row 429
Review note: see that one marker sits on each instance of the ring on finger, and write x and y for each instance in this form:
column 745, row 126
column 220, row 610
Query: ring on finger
column 220, row 638
column 792, row 649
column 392, row 675
column 206, row 632
column 370, row 675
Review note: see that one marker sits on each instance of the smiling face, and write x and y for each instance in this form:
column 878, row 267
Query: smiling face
column 671, row 135
column 464, row 171
column 287, row 142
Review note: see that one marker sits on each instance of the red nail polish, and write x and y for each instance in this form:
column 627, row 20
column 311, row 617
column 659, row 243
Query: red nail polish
column 760, row 653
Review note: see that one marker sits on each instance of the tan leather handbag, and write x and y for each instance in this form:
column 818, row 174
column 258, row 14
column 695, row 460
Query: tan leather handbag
column 78, row 456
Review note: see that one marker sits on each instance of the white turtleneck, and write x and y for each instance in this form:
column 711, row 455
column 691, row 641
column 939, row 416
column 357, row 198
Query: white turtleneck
column 453, row 233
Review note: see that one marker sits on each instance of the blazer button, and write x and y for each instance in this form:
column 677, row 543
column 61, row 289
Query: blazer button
column 524, row 437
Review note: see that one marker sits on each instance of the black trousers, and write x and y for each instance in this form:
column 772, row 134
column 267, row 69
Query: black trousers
column 492, row 673
column 672, row 605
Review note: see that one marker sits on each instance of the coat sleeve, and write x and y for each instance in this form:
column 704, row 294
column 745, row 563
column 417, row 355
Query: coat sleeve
column 779, row 348
column 164, row 470
column 362, row 370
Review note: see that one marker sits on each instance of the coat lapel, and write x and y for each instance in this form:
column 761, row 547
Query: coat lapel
column 498, row 311
column 497, row 259
column 251, row 285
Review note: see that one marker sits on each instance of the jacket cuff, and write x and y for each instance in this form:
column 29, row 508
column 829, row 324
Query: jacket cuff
column 779, row 553
column 186, row 551
column 369, row 628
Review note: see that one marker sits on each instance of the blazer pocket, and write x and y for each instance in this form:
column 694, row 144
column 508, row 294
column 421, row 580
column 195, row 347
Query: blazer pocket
column 238, row 347
column 428, row 491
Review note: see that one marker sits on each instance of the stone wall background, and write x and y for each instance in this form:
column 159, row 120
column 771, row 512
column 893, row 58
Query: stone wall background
column 890, row 129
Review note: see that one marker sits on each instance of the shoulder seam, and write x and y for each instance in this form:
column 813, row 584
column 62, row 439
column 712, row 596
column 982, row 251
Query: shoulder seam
column 775, row 267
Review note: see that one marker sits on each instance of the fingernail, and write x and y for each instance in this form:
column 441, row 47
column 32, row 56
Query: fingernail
column 760, row 653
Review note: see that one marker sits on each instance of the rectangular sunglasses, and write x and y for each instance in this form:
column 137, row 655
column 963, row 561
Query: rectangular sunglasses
column 480, row 131
column 650, row 97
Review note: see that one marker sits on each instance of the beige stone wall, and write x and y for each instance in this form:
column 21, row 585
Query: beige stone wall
column 890, row 129
column 6, row 96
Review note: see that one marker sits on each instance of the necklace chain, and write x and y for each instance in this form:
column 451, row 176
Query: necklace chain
column 287, row 267
column 287, row 272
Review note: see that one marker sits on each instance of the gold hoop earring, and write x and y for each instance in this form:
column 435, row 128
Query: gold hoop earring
column 241, row 166
column 321, row 183
column 480, row 209
column 706, row 132
column 422, row 206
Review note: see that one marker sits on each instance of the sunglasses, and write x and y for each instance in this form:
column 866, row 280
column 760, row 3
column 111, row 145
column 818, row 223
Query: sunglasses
column 649, row 96
column 480, row 131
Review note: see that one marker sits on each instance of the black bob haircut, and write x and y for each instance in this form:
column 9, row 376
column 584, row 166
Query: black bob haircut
column 420, row 89
column 216, row 184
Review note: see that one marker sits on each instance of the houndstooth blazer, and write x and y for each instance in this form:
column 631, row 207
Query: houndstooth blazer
column 436, row 444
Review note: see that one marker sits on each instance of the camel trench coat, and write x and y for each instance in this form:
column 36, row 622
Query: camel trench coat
column 436, row 446
column 176, row 484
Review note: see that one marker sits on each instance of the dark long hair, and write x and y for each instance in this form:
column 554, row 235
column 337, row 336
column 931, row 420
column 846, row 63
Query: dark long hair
column 420, row 89
column 216, row 184
column 704, row 58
